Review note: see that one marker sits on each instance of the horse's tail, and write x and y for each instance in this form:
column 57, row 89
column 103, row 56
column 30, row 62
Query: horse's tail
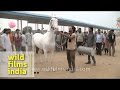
column 33, row 44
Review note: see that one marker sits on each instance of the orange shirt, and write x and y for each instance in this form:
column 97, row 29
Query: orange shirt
column 11, row 37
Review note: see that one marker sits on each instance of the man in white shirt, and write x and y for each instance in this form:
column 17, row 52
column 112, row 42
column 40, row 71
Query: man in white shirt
column 99, row 42
column 6, row 43
column 1, row 47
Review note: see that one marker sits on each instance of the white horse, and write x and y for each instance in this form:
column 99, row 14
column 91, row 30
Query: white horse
column 46, row 42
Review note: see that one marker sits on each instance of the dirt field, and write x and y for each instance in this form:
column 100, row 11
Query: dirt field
column 106, row 67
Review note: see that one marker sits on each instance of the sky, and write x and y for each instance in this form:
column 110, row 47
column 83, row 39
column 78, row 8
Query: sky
column 102, row 18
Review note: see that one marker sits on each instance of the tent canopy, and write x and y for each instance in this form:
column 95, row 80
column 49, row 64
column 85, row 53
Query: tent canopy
column 44, row 19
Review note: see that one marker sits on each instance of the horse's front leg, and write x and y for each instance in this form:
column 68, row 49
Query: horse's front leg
column 46, row 58
column 52, row 60
column 52, row 53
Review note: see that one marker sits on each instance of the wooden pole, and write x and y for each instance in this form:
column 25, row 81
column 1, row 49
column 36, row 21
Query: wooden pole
column 41, row 26
column 21, row 24
column 17, row 24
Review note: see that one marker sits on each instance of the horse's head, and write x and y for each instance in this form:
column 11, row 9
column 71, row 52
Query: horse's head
column 53, row 24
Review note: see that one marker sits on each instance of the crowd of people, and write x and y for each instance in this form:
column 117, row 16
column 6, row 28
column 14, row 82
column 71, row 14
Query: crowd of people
column 65, row 41
column 104, row 41
column 15, row 41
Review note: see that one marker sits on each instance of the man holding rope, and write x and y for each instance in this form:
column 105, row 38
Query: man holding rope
column 71, row 47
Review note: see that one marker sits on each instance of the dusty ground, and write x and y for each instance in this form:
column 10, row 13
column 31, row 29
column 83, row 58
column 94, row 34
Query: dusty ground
column 107, row 66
